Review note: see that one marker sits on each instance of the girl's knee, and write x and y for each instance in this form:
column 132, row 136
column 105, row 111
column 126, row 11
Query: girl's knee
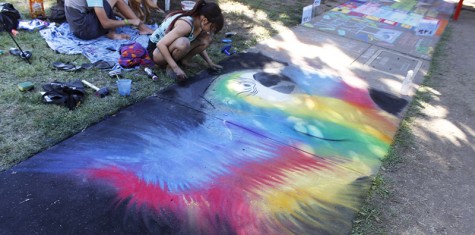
column 182, row 44
column 157, row 57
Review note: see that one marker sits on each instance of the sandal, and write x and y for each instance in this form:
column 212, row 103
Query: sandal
column 101, row 64
column 15, row 51
column 18, row 52
column 66, row 66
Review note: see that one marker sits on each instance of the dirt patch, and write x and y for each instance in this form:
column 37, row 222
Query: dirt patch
column 431, row 190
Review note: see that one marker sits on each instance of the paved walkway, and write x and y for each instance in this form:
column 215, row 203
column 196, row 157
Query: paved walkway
column 284, row 140
column 431, row 190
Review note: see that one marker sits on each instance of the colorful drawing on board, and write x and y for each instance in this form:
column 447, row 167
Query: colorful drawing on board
column 319, row 113
column 278, row 150
column 399, row 26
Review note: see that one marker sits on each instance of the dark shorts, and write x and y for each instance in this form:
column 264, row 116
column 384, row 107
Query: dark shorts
column 150, row 48
column 86, row 25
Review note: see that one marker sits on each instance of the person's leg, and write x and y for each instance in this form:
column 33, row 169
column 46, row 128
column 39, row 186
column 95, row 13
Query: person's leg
column 136, row 7
column 112, row 3
column 150, row 48
column 110, row 14
column 151, row 6
column 84, row 25
column 178, row 49
column 197, row 46
column 127, row 12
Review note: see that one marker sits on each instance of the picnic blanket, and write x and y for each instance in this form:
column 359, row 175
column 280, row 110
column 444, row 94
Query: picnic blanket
column 62, row 40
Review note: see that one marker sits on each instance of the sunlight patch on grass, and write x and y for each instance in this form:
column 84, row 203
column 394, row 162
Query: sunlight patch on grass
column 260, row 23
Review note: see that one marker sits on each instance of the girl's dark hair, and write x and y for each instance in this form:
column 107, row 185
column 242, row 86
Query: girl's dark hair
column 210, row 10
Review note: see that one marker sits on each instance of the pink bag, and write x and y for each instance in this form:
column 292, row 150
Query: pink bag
column 134, row 54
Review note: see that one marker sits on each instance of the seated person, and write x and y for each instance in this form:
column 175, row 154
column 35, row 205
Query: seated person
column 183, row 34
column 144, row 8
column 89, row 19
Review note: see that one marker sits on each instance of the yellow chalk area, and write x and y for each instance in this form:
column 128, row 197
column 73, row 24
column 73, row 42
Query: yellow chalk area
column 309, row 194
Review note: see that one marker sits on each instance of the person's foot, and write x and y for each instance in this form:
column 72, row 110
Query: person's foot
column 117, row 36
column 161, row 11
column 144, row 29
column 153, row 5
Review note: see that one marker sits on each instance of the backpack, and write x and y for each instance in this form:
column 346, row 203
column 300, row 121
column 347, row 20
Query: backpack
column 133, row 54
column 69, row 94
column 9, row 17
column 57, row 13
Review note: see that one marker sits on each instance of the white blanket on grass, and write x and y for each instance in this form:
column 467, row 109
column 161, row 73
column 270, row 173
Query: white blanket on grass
column 60, row 39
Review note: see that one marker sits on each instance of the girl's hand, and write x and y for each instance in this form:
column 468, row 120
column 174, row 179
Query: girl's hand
column 214, row 66
column 180, row 75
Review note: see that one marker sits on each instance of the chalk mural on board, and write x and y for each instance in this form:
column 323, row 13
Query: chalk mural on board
column 279, row 150
column 330, row 138
column 390, row 24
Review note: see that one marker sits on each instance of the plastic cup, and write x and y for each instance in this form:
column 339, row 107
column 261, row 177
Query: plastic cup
column 187, row 5
column 124, row 86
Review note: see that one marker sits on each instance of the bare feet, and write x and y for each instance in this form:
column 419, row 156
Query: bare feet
column 152, row 4
column 144, row 29
column 161, row 11
column 117, row 36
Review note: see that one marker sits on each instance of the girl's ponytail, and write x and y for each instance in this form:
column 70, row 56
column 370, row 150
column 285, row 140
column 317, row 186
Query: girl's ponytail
column 194, row 11
column 196, row 8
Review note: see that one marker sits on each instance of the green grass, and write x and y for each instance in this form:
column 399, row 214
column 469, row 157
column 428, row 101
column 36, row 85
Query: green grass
column 29, row 126
column 367, row 220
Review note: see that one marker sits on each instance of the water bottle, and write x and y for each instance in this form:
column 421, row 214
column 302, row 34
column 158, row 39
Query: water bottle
column 407, row 83
column 150, row 74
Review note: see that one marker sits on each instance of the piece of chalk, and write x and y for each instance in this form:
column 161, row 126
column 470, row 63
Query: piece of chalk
column 25, row 86
column 230, row 34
